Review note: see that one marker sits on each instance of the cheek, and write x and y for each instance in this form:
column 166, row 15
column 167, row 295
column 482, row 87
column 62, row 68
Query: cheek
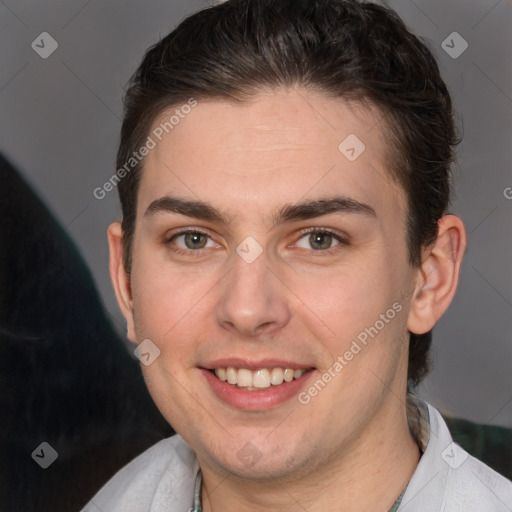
column 358, row 310
column 164, row 299
column 346, row 295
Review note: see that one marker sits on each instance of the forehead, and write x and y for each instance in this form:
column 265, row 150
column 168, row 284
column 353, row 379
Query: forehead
column 279, row 147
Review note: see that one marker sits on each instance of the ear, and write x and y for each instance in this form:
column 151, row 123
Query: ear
column 438, row 275
column 120, row 279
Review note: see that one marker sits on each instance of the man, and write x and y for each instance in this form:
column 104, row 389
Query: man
column 284, row 253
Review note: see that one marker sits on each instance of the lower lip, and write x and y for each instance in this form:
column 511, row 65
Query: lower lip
column 256, row 400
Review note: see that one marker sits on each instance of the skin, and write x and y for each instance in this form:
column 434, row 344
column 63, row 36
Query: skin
column 350, row 445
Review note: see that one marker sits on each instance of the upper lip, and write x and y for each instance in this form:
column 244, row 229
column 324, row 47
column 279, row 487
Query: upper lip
column 252, row 364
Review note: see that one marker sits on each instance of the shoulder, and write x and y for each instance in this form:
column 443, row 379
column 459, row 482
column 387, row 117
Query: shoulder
column 471, row 485
column 161, row 478
column 474, row 486
column 448, row 478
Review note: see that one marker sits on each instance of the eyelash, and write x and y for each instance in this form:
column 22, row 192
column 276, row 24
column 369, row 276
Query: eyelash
column 325, row 231
column 304, row 232
column 187, row 252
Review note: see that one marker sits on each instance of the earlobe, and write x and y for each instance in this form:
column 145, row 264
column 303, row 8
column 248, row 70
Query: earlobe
column 120, row 279
column 438, row 275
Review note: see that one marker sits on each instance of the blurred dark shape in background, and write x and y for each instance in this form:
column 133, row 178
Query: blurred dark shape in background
column 65, row 376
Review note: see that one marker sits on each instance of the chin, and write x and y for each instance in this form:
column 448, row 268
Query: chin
column 255, row 457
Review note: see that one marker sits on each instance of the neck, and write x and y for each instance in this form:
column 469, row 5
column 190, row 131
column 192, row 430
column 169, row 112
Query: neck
column 367, row 476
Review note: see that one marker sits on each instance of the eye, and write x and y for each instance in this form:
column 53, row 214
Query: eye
column 319, row 240
column 192, row 240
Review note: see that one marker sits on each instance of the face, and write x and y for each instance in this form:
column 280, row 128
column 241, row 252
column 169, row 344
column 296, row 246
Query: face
column 269, row 254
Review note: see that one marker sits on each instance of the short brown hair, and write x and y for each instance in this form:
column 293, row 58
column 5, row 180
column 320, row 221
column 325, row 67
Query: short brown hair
column 343, row 48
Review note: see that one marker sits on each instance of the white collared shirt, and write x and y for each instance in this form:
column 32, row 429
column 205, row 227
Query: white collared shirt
column 447, row 478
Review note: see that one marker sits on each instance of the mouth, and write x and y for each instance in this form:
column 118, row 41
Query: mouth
column 256, row 380
column 257, row 388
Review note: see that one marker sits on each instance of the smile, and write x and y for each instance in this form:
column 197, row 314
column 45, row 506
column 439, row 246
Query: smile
column 260, row 385
column 259, row 379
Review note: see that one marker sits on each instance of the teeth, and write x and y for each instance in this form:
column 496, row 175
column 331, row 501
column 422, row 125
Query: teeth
column 276, row 376
column 244, row 378
column 221, row 374
column 260, row 379
column 288, row 375
column 231, row 375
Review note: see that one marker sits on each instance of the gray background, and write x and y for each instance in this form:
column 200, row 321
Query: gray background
column 60, row 121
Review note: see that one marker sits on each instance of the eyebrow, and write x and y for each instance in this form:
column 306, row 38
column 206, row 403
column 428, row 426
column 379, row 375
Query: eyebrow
column 197, row 209
column 288, row 213
column 320, row 207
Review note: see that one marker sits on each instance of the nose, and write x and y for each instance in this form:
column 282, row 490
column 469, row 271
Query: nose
column 253, row 300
